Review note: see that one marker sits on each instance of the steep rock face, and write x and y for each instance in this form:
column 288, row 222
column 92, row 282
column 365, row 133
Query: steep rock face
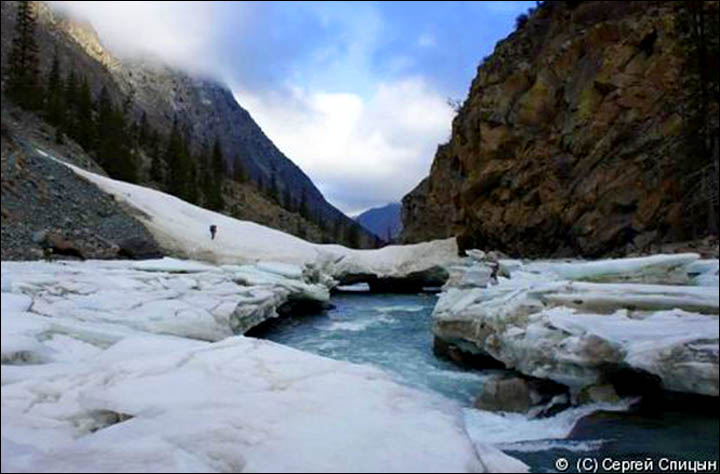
column 572, row 140
column 206, row 108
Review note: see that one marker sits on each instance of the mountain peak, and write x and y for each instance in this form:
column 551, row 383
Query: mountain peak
column 384, row 221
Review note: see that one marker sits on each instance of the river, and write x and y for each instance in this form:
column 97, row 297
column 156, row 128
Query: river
column 393, row 332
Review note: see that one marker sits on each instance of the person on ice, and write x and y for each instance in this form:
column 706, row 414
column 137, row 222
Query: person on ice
column 213, row 231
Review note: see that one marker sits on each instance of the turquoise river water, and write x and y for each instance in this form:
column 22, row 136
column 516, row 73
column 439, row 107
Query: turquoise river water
column 393, row 332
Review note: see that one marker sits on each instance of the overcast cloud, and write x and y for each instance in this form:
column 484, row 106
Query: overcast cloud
column 354, row 93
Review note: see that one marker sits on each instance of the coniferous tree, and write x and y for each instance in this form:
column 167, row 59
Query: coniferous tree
column 218, row 159
column 239, row 173
column 217, row 170
column 105, row 132
column 142, row 131
column 353, row 236
column 184, row 172
column 172, row 159
column 104, row 123
column 178, row 161
column 23, row 83
column 113, row 144
column 157, row 167
column 322, row 224
column 288, row 202
column 274, row 192
column 304, row 209
column 70, row 101
column 124, row 162
column 206, row 178
column 191, row 194
column 337, row 230
column 54, row 94
column 84, row 115
column 701, row 81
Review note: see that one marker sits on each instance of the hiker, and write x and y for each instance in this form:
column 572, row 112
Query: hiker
column 213, row 231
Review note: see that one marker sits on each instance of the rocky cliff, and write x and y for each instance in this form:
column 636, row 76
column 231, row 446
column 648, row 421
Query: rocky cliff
column 205, row 108
column 576, row 137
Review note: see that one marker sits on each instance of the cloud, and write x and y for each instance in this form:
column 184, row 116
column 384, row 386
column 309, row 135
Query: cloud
column 178, row 32
column 360, row 152
column 353, row 92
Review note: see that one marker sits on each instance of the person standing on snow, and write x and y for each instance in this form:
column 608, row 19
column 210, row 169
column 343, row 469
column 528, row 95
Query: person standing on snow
column 213, row 231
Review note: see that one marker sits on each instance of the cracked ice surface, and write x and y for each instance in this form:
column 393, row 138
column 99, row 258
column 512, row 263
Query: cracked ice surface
column 165, row 296
column 240, row 404
column 111, row 366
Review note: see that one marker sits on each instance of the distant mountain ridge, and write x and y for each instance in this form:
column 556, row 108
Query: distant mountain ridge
column 385, row 221
column 204, row 108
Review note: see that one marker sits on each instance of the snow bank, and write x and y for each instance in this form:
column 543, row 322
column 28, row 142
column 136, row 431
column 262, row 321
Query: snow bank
column 182, row 229
column 543, row 324
column 393, row 261
column 653, row 269
column 96, row 379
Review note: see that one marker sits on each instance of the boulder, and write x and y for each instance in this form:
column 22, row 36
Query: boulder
column 79, row 243
column 513, row 393
column 64, row 247
column 138, row 248
column 504, row 394
column 604, row 393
